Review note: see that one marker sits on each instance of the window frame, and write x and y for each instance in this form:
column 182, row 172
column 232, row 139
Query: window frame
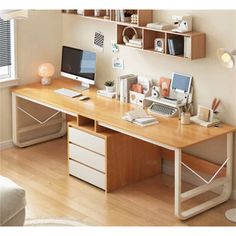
column 11, row 79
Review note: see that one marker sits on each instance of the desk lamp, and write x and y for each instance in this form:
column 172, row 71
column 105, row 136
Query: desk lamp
column 46, row 70
column 226, row 59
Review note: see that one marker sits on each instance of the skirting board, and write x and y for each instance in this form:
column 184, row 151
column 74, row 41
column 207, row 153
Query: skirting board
column 6, row 144
column 168, row 168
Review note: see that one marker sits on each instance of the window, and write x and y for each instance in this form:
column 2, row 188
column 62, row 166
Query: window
column 7, row 50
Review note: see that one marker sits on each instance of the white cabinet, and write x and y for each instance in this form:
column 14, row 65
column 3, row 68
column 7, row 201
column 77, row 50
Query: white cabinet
column 87, row 157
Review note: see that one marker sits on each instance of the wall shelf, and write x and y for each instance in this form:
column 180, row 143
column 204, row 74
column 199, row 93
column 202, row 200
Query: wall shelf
column 194, row 42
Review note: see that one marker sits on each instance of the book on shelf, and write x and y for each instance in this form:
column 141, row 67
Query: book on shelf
column 104, row 93
column 176, row 46
column 195, row 119
column 187, row 47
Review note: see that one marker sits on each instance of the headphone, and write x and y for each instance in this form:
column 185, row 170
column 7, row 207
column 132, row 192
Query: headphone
column 125, row 37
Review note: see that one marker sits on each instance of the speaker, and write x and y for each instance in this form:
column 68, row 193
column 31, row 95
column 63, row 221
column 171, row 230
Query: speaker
column 125, row 37
column 159, row 44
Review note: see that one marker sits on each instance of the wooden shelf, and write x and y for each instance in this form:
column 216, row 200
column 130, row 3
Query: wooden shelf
column 196, row 40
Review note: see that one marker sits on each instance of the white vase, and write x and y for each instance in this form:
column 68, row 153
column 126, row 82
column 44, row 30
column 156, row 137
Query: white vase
column 109, row 89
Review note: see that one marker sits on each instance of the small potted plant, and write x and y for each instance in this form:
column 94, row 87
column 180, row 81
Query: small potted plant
column 109, row 85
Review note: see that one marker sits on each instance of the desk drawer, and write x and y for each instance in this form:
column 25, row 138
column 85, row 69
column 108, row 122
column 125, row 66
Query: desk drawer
column 87, row 157
column 87, row 174
column 86, row 140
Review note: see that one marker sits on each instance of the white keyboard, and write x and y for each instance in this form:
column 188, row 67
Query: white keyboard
column 67, row 92
column 163, row 110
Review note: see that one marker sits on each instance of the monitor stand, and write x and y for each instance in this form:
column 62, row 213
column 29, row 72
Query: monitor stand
column 82, row 87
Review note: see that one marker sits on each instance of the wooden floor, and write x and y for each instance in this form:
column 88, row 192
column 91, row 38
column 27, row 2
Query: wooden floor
column 42, row 171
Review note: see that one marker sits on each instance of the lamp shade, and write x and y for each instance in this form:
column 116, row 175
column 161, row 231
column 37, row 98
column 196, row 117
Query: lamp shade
column 46, row 70
column 226, row 57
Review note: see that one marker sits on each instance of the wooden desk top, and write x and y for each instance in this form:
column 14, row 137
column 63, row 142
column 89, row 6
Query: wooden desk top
column 169, row 131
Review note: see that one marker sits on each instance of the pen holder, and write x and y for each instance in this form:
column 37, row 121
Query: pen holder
column 185, row 118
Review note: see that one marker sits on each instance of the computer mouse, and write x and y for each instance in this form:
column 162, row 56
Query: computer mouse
column 82, row 98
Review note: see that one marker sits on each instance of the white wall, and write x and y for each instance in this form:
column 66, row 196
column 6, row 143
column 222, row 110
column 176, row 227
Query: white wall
column 38, row 41
column 210, row 78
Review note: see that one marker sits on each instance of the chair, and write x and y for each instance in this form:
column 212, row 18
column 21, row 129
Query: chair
column 12, row 203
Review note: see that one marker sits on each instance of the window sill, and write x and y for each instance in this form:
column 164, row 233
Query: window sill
column 9, row 82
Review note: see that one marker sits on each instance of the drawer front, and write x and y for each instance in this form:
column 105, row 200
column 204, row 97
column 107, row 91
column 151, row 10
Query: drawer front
column 87, row 174
column 86, row 140
column 87, row 157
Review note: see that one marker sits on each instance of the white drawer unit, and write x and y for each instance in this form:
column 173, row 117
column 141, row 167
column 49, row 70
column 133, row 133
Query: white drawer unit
column 87, row 174
column 87, row 157
column 86, row 140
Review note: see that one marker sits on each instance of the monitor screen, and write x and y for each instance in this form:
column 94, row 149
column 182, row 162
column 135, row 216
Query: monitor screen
column 78, row 64
column 181, row 83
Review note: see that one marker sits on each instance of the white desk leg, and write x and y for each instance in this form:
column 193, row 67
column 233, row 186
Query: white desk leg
column 225, row 182
column 178, row 157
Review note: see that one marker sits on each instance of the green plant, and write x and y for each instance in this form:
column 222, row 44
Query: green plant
column 109, row 83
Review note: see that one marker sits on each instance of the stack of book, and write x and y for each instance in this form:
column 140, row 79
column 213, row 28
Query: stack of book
column 104, row 93
column 138, row 43
column 140, row 117
column 176, row 46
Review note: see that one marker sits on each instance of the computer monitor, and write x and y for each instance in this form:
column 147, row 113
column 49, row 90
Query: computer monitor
column 181, row 83
column 79, row 65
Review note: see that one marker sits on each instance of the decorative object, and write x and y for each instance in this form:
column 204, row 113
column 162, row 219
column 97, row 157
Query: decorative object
column 109, row 85
column 134, row 19
column 159, row 45
column 165, row 86
column 184, row 23
column 226, row 57
column 114, row 46
column 117, row 63
column 46, row 70
column 52, row 222
column 98, row 42
column 126, row 39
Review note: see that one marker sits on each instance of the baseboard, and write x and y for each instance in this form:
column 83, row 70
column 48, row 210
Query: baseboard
column 6, row 144
column 168, row 168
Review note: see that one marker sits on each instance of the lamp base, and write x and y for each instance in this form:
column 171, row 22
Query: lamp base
column 45, row 81
column 231, row 215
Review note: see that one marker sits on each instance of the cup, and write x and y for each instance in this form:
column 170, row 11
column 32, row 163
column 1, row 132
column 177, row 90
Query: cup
column 185, row 118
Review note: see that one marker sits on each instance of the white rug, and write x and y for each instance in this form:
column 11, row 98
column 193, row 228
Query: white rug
column 52, row 222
